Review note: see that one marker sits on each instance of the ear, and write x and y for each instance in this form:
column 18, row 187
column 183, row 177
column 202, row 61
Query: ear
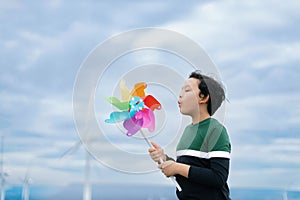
column 203, row 100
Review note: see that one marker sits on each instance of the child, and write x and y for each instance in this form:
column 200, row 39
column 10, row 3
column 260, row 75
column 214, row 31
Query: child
column 203, row 152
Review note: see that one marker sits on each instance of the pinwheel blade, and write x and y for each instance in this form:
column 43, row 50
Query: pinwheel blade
column 125, row 92
column 133, row 125
column 117, row 103
column 139, row 89
column 148, row 119
column 152, row 103
column 116, row 117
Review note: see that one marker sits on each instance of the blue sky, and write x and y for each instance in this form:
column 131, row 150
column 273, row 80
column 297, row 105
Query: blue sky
column 254, row 45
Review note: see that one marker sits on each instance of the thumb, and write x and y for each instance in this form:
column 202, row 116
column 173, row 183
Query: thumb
column 156, row 146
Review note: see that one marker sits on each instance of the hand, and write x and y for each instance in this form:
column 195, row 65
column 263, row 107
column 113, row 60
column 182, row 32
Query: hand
column 157, row 153
column 168, row 168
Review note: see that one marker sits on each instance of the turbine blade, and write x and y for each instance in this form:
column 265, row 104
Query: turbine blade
column 71, row 150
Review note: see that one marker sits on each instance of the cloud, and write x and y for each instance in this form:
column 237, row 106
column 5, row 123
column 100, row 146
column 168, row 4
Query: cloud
column 248, row 33
column 263, row 112
column 277, row 54
column 242, row 19
column 44, row 114
column 272, row 178
column 268, row 163
column 255, row 45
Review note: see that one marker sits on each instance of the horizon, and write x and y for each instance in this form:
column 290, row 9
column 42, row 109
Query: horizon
column 144, row 191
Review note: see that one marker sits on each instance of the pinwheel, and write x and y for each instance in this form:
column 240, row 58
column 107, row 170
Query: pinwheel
column 136, row 111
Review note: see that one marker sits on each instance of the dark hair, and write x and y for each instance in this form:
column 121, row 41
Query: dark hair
column 209, row 86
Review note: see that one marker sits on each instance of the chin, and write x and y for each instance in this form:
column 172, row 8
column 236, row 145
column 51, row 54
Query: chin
column 183, row 112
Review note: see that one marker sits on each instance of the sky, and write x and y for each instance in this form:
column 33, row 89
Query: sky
column 44, row 44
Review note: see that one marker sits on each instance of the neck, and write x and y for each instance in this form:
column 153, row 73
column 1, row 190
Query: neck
column 199, row 118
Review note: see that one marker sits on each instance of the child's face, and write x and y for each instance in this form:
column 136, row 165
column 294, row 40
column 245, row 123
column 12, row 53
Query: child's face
column 189, row 97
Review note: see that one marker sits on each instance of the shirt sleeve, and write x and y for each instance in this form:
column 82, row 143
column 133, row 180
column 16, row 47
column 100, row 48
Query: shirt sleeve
column 215, row 176
column 169, row 158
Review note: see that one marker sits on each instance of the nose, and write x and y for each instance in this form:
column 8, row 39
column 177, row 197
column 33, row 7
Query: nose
column 179, row 99
column 180, row 95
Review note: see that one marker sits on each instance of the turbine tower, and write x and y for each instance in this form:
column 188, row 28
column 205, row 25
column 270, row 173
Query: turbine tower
column 3, row 173
column 87, row 192
column 284, row 195
column 26, row 182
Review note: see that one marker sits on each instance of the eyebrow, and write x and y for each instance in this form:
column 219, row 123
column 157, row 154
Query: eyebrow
column 186, row 86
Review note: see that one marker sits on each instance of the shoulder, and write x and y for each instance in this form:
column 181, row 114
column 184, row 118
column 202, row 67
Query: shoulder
column 216, row 127
column 216, row 123
column 217, row 137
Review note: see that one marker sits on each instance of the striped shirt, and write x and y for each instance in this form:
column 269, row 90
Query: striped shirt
column 206, row 147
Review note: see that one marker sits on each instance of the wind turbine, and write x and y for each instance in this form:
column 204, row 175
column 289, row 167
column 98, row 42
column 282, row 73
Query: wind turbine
column 25, row 189
column 284, row 195
column 87, row 192
column 3, row 173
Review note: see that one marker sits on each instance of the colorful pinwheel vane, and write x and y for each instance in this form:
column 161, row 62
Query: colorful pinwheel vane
column 136, row 109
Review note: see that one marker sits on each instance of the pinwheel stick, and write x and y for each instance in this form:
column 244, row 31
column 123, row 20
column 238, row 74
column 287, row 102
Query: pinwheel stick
column 146, row 139
column 160, row 161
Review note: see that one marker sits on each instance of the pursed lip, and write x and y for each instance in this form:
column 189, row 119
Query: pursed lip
column 179, row 104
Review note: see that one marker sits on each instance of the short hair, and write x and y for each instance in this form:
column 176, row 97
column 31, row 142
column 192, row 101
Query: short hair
column 211, row 87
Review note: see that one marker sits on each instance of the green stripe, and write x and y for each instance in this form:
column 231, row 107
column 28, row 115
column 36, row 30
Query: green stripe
column 206, row 136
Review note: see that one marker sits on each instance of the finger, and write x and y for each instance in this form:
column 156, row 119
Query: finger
column 165, row 173
column 164, row 165
column 158, row 157
column 156, row 146
column 155, row 154
column 155, row 158
column 167, row 163
column 151, row 149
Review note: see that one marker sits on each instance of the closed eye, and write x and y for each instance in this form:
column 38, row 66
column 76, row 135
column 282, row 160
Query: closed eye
column 186, row 88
